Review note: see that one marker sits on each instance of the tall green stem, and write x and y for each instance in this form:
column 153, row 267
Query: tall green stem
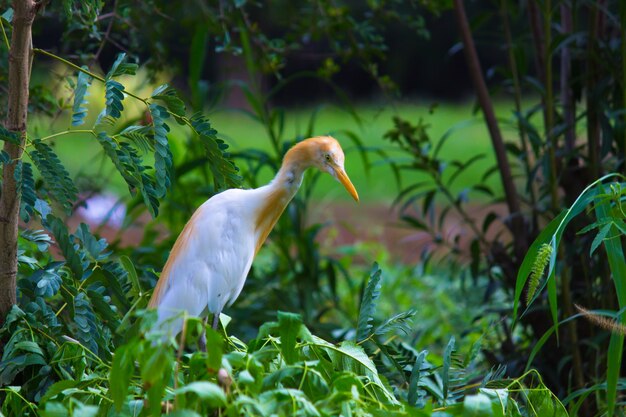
column 551, row 138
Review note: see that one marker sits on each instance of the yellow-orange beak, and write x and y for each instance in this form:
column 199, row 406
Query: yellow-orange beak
column 343, row 178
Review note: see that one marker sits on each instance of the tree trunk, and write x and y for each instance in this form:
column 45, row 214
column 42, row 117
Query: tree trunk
column 20, row 60
column 473, row 63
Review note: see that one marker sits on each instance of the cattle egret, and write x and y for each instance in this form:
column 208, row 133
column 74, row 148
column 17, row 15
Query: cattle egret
column 210, row 260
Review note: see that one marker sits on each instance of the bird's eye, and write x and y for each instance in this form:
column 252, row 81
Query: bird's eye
column 327, row 157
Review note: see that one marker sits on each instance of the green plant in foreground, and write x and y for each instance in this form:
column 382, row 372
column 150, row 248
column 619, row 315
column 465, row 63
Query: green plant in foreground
column 611, row 226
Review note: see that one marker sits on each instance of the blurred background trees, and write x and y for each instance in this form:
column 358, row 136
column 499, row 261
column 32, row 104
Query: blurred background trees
column 393, row 79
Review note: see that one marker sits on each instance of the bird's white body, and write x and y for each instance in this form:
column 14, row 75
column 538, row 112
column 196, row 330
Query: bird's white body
column 211, row 258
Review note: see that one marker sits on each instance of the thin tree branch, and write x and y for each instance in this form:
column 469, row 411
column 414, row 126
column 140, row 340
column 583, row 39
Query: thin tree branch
column 475, row 70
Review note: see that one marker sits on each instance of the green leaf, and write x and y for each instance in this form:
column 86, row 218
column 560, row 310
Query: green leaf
column 129, row 267
column 120, row 67
column 415, row 377
column 114, row 95
column 617, row 265
column 57, row 179
column 66, row 244
column 214, row 343
column 401, row 321
column 47, row 280
column 597, row 240
column 289, row 327
column 80, row 92
column 26, row 186
column 8, row 136
column 169, row 96
column 447, row 364
column 121, row 372
column 162, row 153
column 130, row 165
column 223, row 169
column 85, row 323
column 368, row 304
column 207, row 391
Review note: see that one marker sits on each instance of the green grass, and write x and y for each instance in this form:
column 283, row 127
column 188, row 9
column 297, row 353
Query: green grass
column 82, row 155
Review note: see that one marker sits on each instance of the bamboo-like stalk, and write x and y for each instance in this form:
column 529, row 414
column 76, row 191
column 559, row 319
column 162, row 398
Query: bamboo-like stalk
column 622, row 14
column 517, row 97
column 593, row 121
column 20, row 61
column 567, row 98
column 551, row 138
column 473, row 63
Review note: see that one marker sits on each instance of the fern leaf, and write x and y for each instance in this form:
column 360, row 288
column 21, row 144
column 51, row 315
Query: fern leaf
column 169, row 96
column 162, row 153
column 80, row 92
column 225, row 173
column 447, row 364
column 368, row 304
column 84, row 324
column 57, row 179
column 66, row 244
column 536, row 272
column 47, row 280
column 138, row 135
column 401, row 321
column 120, row 67
column 8, row 136
column 114, row 95
column 26, row 186
column 130, row 165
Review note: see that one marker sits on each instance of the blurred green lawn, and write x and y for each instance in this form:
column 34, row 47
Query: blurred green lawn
column 82, row 155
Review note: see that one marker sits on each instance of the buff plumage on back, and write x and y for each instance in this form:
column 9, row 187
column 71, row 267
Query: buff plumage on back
column 178, row 248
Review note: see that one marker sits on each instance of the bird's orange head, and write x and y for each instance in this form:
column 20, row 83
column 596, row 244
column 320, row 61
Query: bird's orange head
column 325, row 153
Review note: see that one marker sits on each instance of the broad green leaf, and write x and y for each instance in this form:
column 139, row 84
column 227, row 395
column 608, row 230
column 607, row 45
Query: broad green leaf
column 207, row 391
column 121, row 372
column 289, row 327
column 415, row 378
column 214, row 343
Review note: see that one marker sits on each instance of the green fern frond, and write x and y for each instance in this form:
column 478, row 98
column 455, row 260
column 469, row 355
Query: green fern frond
column 57, row 179
column 114, row 95
column 368, row 304
column 66, row 244
column 26, row 186
column 225, row 173
column 8, row 136
column 162, row 153
column 80, row 92
column 541, row 261
column 130, row 165
column 401, row 321
column 120, row 67
column 170, row 98
column 138, row 135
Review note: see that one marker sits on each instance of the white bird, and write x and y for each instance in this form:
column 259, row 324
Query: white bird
column 210, row 260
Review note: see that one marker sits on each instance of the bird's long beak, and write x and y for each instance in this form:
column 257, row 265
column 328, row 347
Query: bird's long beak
column 343, row 178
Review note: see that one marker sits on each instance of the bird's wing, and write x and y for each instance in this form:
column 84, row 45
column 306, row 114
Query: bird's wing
column 214, row 250
column 176, row 255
